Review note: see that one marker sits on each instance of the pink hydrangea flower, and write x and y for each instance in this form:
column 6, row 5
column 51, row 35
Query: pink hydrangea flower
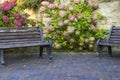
column 89, row 20
column 95, row 5
column 5, row 3
column 17, row 23
column 72, row 18
column 66, row 21
column 45, row 35
column 12, row 0
column 65, row 33
column 11, row 4
column 93, row 13
column 77, row 1
column 77, row 32
column 70, row 29
column 71, row 0
column 6, row 6
column 45, row 31
column 46, row 15
column 49, row 27
column 22, row 19
column 61, row 6
column 16, row 15
column 92, row 27
column 45, row 3
column 72, row 40
column 94, row 17
column 79, row 16
column 71, row 8
column 51, row 6
column 60, row 23
column 6, row 19
column 42, row 9
column 57, row 45
column 86, row 40
column 62, row 13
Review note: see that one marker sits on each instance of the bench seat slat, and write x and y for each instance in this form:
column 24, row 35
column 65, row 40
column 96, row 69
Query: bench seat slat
column 115, row 34
column 116, row 31
column 106, row 43
column 13, row 45
column 19, row 37
column 20, row 41
column 116, row 27
column 17, row 40
column 115, row 37
column 18, row 34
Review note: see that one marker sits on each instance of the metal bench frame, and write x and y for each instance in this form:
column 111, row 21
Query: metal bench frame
column 112, row 40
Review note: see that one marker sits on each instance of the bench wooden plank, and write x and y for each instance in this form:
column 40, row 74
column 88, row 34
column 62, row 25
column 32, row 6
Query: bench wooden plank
column 18, row 33
column 17, row 40
column 22, row 44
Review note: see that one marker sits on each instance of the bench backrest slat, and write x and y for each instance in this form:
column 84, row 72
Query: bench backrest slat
column 114, row 35
column 21, row 34
column 17, row 40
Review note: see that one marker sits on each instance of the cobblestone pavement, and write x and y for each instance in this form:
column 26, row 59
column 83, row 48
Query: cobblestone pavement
column 75, row 66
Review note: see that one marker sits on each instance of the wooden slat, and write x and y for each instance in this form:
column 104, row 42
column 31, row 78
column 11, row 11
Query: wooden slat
column 19, row 37
column 109, row 43
column 19, row 33
column 114, row 37
column 22, row 37
column 114, row 40
column 116, row 31
column 17, row 40
column 115, row 34
column 18, row 30
column 116, row 28
column 14, row 45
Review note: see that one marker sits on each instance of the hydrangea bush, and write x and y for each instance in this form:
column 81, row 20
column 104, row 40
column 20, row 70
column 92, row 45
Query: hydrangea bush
column 11, row 16
column 72, row 26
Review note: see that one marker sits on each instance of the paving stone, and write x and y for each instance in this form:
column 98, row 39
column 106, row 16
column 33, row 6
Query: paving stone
column 76, row 66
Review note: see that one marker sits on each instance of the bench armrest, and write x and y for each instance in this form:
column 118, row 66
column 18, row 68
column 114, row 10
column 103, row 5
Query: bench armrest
column 50, row 42
column 99, row 41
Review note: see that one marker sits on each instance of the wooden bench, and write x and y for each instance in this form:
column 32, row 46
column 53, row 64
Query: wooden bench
column 112, row 40
column 23, row 37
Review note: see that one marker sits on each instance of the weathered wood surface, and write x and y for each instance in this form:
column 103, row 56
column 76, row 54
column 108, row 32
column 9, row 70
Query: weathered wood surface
column 23, row 37
column 20, row 37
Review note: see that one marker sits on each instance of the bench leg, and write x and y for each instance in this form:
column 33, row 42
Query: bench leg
column 99, row 48
column 110, row 50
column 49, row 48
column 1, row 58
column 41, row 52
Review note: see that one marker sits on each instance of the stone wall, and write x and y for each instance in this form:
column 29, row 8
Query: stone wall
column 110, row 9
